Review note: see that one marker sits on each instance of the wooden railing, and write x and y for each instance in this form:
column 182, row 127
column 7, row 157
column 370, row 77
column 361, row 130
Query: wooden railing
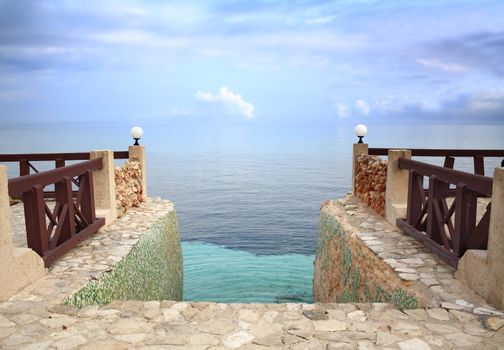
column 446, row 229
column 478, row 155
column 25, row 160
column 71, row 220
column 26, row 165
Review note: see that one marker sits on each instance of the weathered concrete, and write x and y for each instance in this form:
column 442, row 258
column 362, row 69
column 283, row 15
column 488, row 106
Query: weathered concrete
column 396, row 196
column 18, row 266
column 104, row 186
column 137, row 153
column 483, row 271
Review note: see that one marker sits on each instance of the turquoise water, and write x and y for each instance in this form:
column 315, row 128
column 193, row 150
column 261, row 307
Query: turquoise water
column 227, row 275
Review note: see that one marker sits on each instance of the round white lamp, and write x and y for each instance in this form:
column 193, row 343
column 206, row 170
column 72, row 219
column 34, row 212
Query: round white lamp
column 136, row 132
column 360, row 131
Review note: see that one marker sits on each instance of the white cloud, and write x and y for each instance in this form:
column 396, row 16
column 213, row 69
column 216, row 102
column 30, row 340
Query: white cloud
column 487, row 101
column 341, row 110
column 230, row 99
column 452, row 67
column 319, row 20
column 363, row 107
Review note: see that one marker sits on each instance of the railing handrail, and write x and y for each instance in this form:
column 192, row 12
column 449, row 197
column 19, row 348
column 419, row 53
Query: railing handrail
column 431, row 152
column 19, row 185
column 55, row 156
column 477, row 183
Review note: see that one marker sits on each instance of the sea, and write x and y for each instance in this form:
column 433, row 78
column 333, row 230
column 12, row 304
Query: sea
column 247, row 196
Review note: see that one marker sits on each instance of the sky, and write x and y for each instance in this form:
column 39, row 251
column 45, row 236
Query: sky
column 251, row 62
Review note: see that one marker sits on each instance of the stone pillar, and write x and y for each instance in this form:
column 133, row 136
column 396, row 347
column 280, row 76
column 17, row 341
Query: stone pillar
column 496, row 240
column 137, row 153
column 104, row 186
column 18, row 266
column 358, row 149
column 483, row 270
column 396, row 195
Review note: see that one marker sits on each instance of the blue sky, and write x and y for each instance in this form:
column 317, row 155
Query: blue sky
column 256, row 62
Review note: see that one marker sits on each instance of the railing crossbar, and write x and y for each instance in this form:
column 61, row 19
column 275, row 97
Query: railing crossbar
column 477, row 183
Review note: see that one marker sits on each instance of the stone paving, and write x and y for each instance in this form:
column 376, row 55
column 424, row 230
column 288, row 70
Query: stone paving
column 35, row 319
column 181, row 325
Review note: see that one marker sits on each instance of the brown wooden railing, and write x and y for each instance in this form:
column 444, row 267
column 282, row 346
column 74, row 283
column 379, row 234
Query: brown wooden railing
column 71, row 220
column 25, row 160
column 447, row 230
column 26, row 166
column 478, row 155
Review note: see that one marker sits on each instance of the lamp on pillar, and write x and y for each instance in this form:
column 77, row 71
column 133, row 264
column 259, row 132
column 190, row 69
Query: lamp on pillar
column 360, row 131
column 136, row 132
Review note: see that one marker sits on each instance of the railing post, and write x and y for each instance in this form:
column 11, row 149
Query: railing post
column 18, row 266
column 64, row 196
column 103, row 181
column 396, row 195
column 24, row 167
column 137, row 153
column 358, row 149
column 35, row 218
column 416, row 199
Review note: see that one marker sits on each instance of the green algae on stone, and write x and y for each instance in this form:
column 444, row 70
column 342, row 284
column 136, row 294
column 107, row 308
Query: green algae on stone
column 354, row 287
column 151, row 271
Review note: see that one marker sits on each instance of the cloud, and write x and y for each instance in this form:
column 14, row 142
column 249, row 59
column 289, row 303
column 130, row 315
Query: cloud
column 447, row 67
column 481, row 51
column 363, row 107
column 486, row 101
column 233, row 101
column 341, row 110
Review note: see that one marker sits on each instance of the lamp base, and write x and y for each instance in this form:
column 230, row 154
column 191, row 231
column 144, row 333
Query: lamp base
column 136, row 142
column 360, row 139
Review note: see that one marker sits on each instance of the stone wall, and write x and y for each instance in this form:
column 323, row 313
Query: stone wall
column 128, row 180
column 151, row 271
column 345, row 270
column 370, row 181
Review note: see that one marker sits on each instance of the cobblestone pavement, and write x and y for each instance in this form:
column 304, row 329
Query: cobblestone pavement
column 35, row 319
column 171, row 325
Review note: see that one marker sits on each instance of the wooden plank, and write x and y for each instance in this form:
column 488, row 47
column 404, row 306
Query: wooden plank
column 35, row 220
column 416, row 198
column 24, row 168
column 55, row 156
column 478, row 239
column 446, row 255
column 426, row 152
column 465, row 218
column 87, row 204
column 64, row 196
column 479, row 165
column 435, row 229
column 59, row 162
column 449, row 162
column 22, row 184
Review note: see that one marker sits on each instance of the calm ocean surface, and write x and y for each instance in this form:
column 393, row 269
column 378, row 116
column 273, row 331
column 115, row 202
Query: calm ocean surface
column 248, row 198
